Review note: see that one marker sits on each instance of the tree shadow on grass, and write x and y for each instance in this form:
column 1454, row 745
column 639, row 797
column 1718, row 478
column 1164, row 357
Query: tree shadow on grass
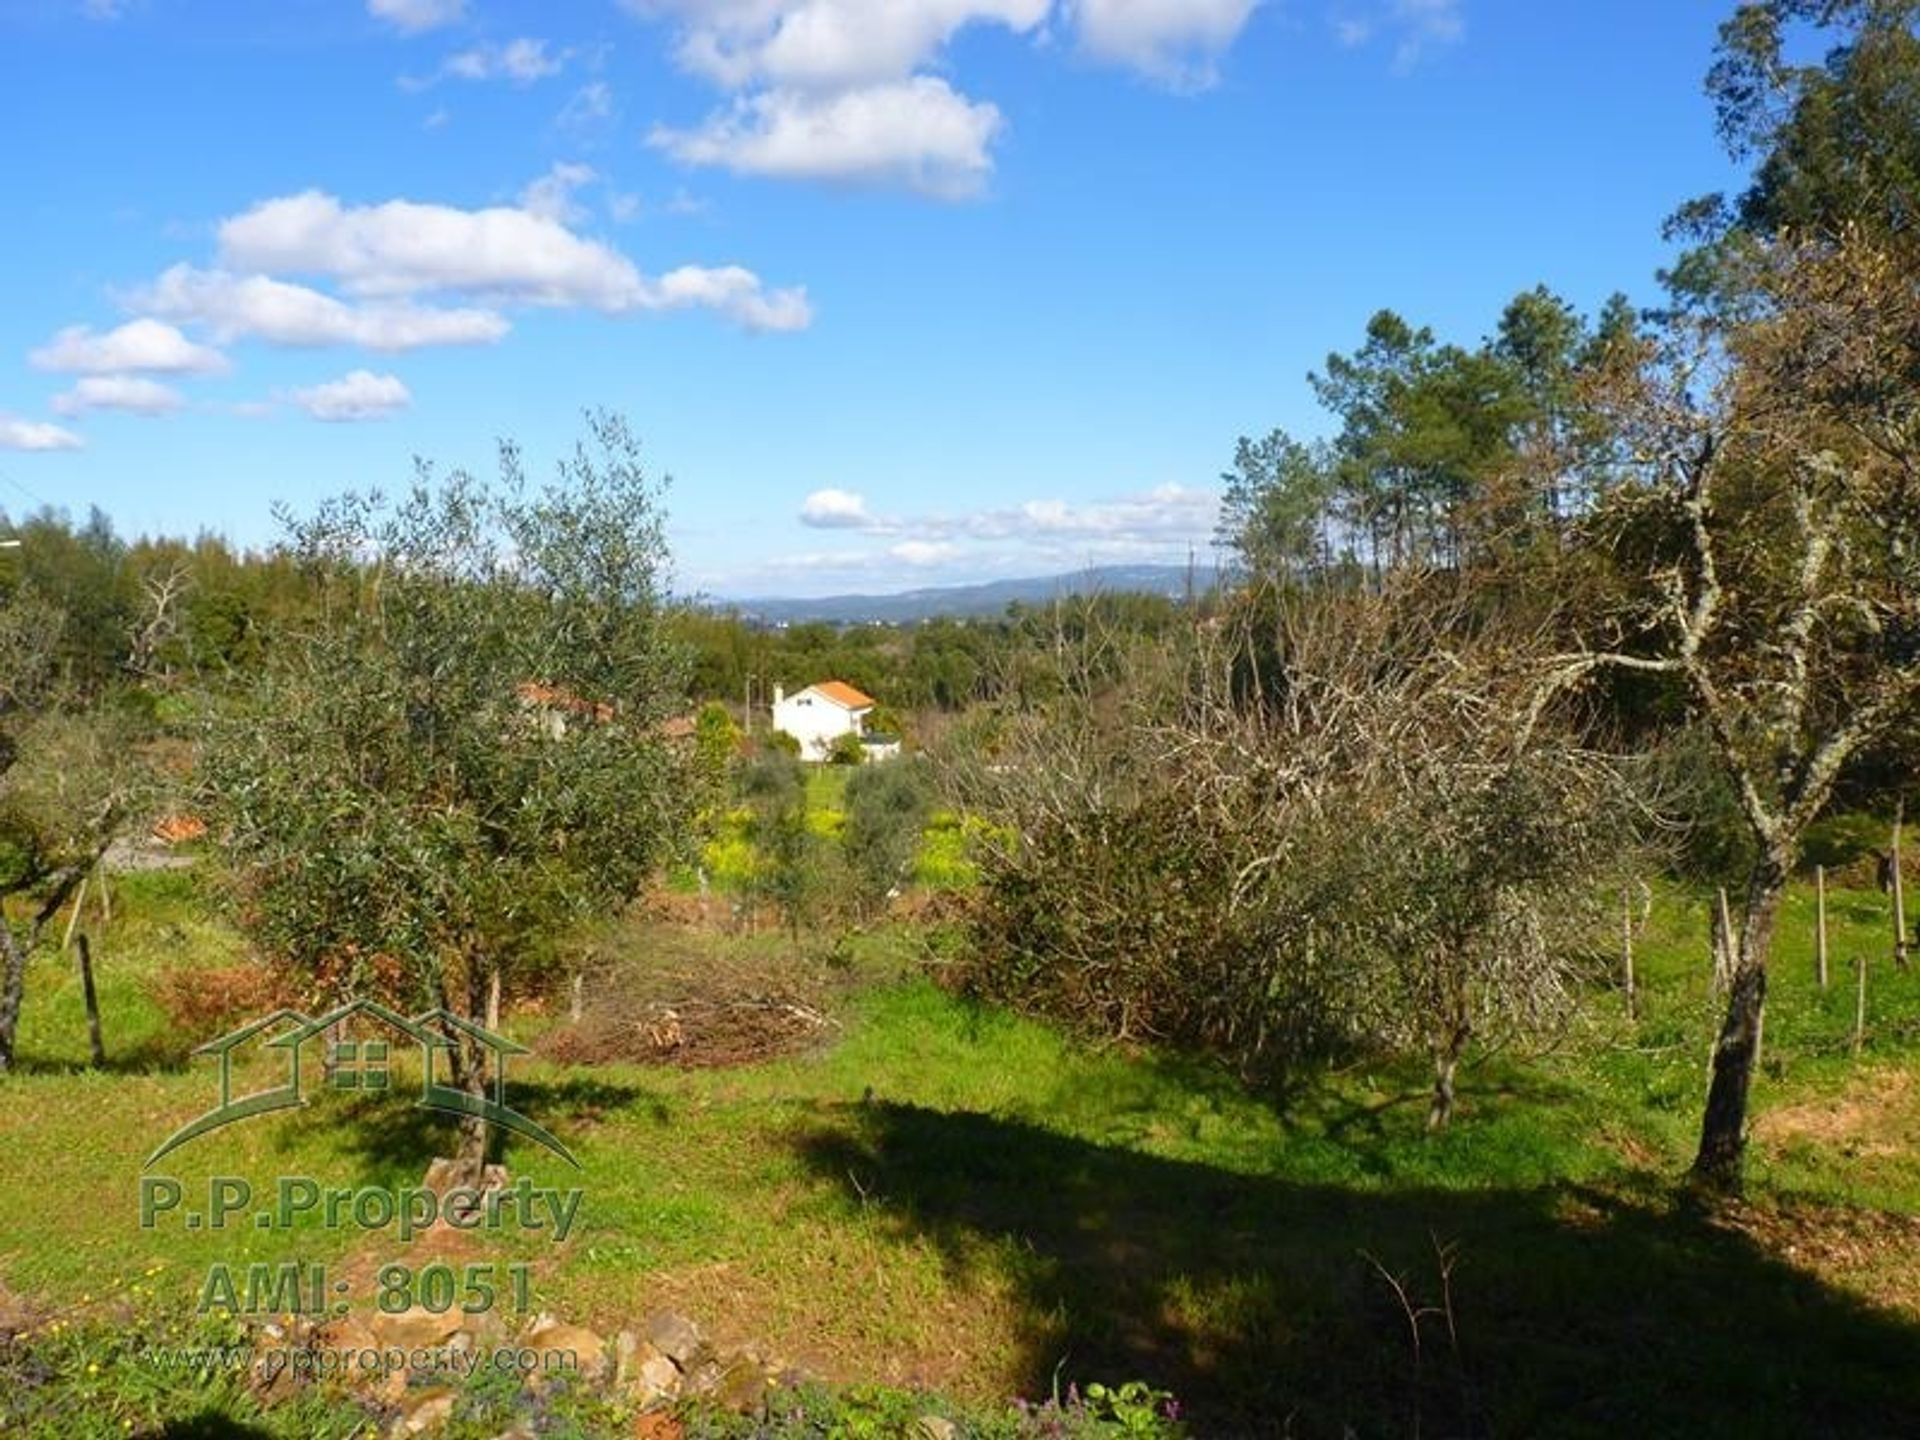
column 1270, row 1307
column 145, row 1058
column 212, row 1425
column 393, row 1139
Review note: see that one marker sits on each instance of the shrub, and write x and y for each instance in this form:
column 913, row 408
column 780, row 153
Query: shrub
column 887, row 807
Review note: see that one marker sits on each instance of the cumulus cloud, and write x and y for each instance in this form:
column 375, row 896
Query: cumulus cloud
column 918, row 133
column 1168, row 514
column 551, row 196
column 134, row 394
column 18, row 434
column 235, row 306
column 735, row 293
column 835, row 510
column 830, row 44
column 1177, row 41
column 139, row 345
column 358, row 395
column 410, row 17
column 836, row 89
column 401, row 249
column 519, row 62
column 847, row 89
column 923, row 552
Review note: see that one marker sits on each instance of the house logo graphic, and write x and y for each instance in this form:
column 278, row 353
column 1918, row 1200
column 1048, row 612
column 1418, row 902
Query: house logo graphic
column 362, row 1065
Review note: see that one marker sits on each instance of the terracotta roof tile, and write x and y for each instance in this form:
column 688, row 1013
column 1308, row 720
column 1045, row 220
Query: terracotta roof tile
column 842, row 693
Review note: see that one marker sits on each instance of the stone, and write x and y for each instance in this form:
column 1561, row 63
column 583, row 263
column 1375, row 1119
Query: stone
column 445, row 1175
column 678, row 1338
column 588, row 1349
column 422, row 1411
column 935, row 1427
column 654, row 1378
column 743, row 1385
column 417, row 1328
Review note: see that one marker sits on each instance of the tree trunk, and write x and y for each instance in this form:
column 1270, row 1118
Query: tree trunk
column 14, row 951
column 472, row 1154
column 1723, row 1130
column 13, row 987
column 1446, row 1061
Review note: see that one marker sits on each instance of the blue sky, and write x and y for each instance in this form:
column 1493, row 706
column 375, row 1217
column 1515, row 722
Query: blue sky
column 900, row 292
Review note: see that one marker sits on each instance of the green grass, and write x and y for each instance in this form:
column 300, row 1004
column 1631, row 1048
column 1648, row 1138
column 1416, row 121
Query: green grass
column 957, row 1197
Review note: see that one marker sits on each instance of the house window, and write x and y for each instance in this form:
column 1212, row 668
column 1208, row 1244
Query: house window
column 360, row 1065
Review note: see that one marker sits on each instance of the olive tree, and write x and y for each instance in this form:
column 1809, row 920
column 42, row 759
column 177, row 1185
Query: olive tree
column 1769, row 540
column 72, row 777
column 459, row 753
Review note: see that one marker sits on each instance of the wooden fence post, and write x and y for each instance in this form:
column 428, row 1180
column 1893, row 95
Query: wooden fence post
column 93, row 1002
column 1859, row 1003
column 1820, row 921
column 1626, row 950
column 1899, row 891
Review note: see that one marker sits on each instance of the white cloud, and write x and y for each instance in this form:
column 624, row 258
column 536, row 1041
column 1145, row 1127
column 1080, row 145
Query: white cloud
column 551, row 196
column 924, row 552
column 918, row 133
column 259, row 307
column 519, row 62
column 143, row 344
column 359, row 395
column 1166, row 515
column 410, row 17
column 835, row 510
column 1424, row 25
column 16, row 434
column 735, row 293
column 623, row 208
column 587, row 108
column 103, row 9
column 1178, row 41
column 1415, row 28
column 401, row 249
column 132, row 393
column 829, row 44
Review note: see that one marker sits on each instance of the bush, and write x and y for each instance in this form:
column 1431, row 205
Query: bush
column 887, row 807
column 846, row 749
column 201, row 1002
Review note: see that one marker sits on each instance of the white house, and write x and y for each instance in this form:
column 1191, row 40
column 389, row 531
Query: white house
column 821, row 714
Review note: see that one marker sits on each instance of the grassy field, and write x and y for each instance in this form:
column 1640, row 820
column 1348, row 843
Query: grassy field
column 945, row 1197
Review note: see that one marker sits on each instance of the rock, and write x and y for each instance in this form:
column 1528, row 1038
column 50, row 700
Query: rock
column 414, row 1329
column 348, row 1332
column 679, row 1339
column 588, row 1349
column 445, row 1175
column 704, row 1378
column 422, row 1411
column 657, row 1425
column 743, row 1385
column 654, row 1378
column 935, row 1427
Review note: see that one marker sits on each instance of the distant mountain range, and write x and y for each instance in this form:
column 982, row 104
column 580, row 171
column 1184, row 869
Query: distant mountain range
column 958, row 601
